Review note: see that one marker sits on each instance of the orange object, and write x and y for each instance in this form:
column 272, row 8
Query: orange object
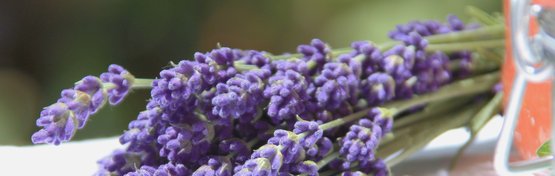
column 534, row 124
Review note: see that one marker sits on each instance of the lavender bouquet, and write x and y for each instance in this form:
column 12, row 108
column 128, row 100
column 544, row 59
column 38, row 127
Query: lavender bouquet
column 320, row 111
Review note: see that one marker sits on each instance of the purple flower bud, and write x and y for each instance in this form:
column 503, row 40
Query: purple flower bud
column 93, row 87
column 287, row 94
column 239, row 97
column 217, row 166
column 119, row 162
column 317, row 52
column 186, row 144
column 291, row 149
column 59, row 125
column 336, row 84
column 378, row 88
column 265, row 161
column 238, row 147
column 376, row 167
column 313, row 131
column 353, row 173
column 360, row 143
column 143, row 171
column 257, row 58
column 435, row 74
column 309, row 168
column 121, row 79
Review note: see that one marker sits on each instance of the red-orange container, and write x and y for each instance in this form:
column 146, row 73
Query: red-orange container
column 534, row 124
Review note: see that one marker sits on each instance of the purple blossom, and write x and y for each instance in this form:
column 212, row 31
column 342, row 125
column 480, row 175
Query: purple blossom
column 238, row 147
column 121, row 162
column 121, row 79
column 353, row 173
column 336, row 84
column 59, row 125
column 239, row 97
column 187, row 143
column 217, row 166
column 92, row 86
column 174, row 86
column 257, row 58
column 265, row 161
column 146, row 127
column 290, row 147
column 317, row 52
column 168, row 169
column 360, row 143
column 287, row 94
column 364, row 59
column 217, row 65
column 312, row 131
column 434, row 73
column 378, row 88
column 143, row 171
column 309, row 168
column 376, row 167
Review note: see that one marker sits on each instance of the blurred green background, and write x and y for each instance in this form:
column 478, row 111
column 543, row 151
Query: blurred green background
column 45, row 46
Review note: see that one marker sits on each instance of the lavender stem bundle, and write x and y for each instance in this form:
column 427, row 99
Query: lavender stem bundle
column 319, row 111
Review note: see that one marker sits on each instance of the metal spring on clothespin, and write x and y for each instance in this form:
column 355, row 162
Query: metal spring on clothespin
column 535, row 61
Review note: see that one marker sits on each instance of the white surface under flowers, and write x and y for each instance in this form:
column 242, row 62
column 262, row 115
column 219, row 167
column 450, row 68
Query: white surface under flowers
column 79, row 158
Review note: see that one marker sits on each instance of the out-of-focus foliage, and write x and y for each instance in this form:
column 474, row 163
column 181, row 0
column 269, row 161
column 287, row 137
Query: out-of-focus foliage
column 46, row 46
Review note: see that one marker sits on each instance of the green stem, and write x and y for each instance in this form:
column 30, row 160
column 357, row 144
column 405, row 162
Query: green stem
column 457, row 89
column 430, row 111
column 142, row 83
column 496, row 31
column 420, row 138
column 327, row 159
column 477, row 123
column 472, row 46
column 482, row 16
column 476, row 36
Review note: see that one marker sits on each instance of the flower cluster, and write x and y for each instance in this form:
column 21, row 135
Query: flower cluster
column 245, row 112
column 61, row 120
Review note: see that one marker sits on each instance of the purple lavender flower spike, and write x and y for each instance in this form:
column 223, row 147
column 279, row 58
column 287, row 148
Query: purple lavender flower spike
column 145, row 127
column 291, row 149
column 121, row 79
column 314, row 133
column 238, row 147
column 399, row 61
column 378, row 88
column 283, row 66
column 317, row 52
column 59, row 125
column 309, row 168
column 265, row 161
column 455, row 23
column 186, row 144
column 239, row 97
column 360, row 143
column 119, row 162
column 171, row 169
column 376, row 167
column 79, row 103
column 92, row 86
column 257, row 58
column 287, row 94
column 173, row 88
column 217, row 166
column 382, row 117
column 217, row 65
column 143, row 171
column 336, row 84
column 364, row 59
column 353, row 173
column 435, row 74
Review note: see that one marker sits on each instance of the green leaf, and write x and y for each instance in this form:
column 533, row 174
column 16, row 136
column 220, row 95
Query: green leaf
column 545, row 149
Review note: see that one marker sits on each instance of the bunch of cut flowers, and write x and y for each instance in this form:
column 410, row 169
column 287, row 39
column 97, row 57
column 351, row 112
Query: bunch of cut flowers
column 321, row 111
